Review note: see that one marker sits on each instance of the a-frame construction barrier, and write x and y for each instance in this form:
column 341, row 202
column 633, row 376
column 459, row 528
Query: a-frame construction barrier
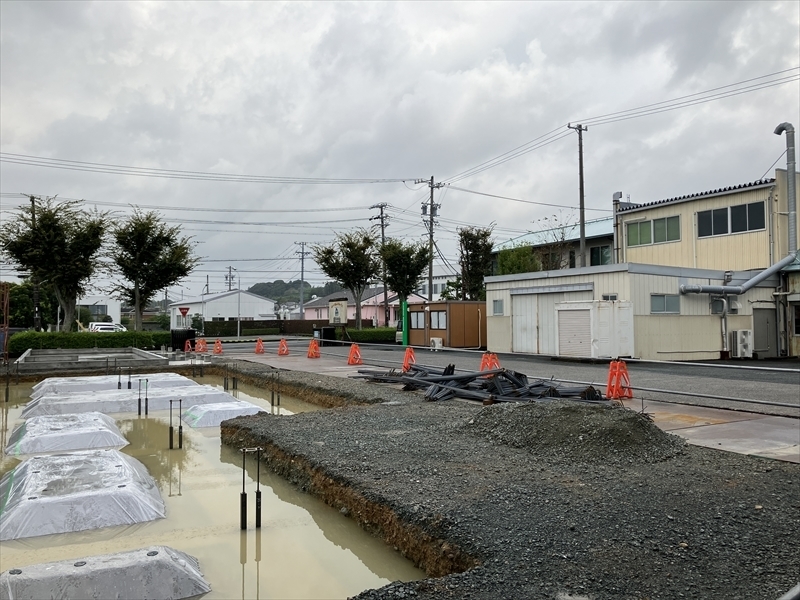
column 489, row 362
column 619, row 383
column 313, row 349
column 218, row 347
column 283, row 348
column 201, row 345
column 259, row 346
column 355, row 356
column 409, row 359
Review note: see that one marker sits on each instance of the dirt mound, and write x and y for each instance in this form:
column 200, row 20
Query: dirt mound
column 574, row 431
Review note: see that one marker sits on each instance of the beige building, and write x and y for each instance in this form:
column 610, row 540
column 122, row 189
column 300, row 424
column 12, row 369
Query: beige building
column 689, row 284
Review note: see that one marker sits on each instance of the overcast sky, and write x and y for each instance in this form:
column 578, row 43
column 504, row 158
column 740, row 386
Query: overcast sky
column 384, row 91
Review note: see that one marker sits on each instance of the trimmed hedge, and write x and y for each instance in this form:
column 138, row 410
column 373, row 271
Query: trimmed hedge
column 161, row 338
column 262, row 331
column 20, row 342
column 378, row 335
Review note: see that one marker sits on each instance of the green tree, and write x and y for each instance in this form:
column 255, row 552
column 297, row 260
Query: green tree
column 20, row 305
column 150, row 257
column 475, row 257
column 517, row 259
column 405, row 264
column 59, row 244
column 352, row 260
column 452, row 289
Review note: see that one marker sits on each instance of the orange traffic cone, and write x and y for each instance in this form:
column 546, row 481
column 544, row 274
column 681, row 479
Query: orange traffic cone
column 409, row 359
column 187, row 346
column 259, row 346
column 218, row 346
column 200, row 345
column 355, row 356
column 313, row 349
column 283, row 348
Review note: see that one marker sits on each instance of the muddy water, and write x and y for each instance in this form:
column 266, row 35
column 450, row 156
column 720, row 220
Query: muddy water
column 304, row 548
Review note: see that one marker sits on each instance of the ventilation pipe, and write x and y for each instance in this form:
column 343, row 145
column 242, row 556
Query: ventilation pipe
column 791, row 195
column 739, row 289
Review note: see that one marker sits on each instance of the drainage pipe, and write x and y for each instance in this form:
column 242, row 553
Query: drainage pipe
column 791, row 188
column 740, row 289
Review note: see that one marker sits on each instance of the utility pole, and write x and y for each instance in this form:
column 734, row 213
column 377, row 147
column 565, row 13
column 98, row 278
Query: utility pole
column 303, row 253
column 580, row 129
column 384, row 225
column 37, row 317
column 229, row 278
column 433, row 212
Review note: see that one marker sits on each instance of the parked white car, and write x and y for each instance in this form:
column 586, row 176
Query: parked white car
column 106, row 327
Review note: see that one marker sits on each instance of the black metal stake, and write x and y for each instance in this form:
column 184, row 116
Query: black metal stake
column 119, row 379
column 140, row 396
column 243, row 555
column 243, row 501
column 258, row 488
column 272, row 398
column 279, row 398
column 146, row 381
column 171, row 429
column 8, row 382
column 236, row 383
column 180, row 423
column 106, row 365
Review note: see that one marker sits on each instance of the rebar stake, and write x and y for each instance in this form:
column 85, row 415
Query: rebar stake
column 243, row 500
column 236, row 383
column 140, row 397
column 171, row 428
column 180, row 424
column 146, row 381
column 119, row 379
column 130, row 370
column 258, row 488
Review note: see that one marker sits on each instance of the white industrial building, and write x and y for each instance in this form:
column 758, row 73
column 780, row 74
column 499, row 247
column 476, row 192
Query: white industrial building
column 100, row 306
column 226, row 306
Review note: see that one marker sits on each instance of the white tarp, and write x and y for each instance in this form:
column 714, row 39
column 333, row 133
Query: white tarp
column 118, row 401
column 63, row 433
column 62, row 493
column 60, row 385
column 211, row 415
column 154, row 572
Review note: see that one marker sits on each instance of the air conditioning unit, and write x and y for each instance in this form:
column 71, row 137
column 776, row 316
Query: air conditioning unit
column 436, row 343
column 742, row 343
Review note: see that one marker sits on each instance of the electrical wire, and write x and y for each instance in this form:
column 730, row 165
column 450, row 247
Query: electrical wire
column 93, row 167
column 525, row 201
column 773, row 164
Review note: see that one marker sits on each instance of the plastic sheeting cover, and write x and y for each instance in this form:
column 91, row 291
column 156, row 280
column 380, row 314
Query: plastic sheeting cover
column 211, row 415
column 154, row 572
column 61, row 385
column 63, row 433
column 62, row 493
column 118, row 401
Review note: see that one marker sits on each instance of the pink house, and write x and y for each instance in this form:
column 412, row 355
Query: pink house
column 371, row 306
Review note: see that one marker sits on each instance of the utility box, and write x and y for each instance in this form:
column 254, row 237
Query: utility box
column 741, row 343
column 178, row 338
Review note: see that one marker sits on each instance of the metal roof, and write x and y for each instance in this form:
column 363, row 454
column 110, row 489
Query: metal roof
column 594, row 229
column 697, row 196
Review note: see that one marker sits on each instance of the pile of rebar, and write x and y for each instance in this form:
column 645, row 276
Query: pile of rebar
column 489, row 387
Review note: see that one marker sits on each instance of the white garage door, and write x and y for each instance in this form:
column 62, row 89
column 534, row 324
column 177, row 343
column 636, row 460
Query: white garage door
column 574, row 333
column 524, row 318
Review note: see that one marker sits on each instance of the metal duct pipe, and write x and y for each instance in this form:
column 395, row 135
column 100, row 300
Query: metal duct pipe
column 791, row 193
column 739, row 289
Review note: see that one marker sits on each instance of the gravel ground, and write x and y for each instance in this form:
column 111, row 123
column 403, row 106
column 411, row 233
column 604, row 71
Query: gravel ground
column 549, row 501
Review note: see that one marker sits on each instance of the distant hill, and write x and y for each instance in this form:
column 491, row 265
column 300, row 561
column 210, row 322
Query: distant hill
column 289, row 291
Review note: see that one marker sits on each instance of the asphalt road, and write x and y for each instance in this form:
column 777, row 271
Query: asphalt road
column 759, row 381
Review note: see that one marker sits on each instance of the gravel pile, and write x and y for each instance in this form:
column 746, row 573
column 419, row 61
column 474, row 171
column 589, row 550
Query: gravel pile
column 512, row 514
column 575, row 431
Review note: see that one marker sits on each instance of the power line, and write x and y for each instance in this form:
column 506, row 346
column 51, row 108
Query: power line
column 93, row 167
column 524, row 201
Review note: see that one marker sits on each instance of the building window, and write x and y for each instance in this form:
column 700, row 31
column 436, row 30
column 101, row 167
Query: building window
column 639, row 233
column 438, row 319
column 797, row 319
column 735, row 219
column 497, row 308
column 609, row 296
column 572, row 259
column 667, row 229
column 217, row 318
column 716, row 306
column 657, row 231
column 417, row 319
column 665, row 304
column 600, row 255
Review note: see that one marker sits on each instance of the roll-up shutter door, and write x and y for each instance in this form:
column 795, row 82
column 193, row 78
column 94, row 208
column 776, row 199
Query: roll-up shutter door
column 574, row 333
